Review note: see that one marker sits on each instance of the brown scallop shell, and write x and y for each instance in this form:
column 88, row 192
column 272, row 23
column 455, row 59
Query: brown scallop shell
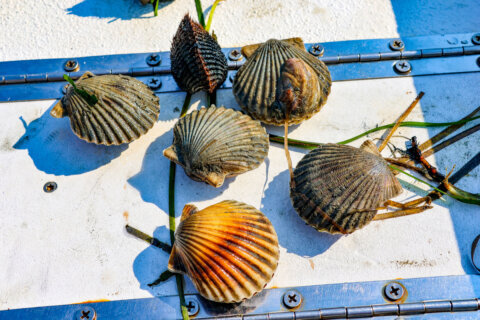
column 215, row 143
column 338, row 188
column 198, row 63
column 126, row 109
column 229, row 250
column 280, row 77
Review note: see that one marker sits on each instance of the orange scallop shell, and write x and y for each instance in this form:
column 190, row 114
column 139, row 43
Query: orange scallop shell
column 229, row 250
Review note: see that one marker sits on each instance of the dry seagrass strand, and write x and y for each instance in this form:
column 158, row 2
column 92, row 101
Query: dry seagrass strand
column 261, row 82
column 198, row 63
column 229, row 250
column 214, row 143
column 126, row 109
column 338, row 188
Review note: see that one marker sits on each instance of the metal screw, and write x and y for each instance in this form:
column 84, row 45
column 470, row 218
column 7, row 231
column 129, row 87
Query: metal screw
column 394, row 291
column 154, row 59
column 396, row 45
column 235, row 55
column 316, row 49
column 476, row 38
column 154, row 83
column 50, row 186
column 403, row 66
column 71, row 66
column 86, row 313
column 192, row 307
column 292, row 299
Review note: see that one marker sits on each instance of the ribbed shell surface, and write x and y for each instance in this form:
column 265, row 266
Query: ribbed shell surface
column 229, row 250
column 126, row 109
column 338, row 188
column 197, row 61
column 214, row 143
column 255, row 83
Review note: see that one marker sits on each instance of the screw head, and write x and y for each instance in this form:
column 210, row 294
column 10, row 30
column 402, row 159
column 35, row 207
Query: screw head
column 71, row 66
column 396, row 45
column 292, row 299
column 394, row 291
column 235, row 55
column 86, row 313
column 154, row 83
column 476, row 38
column 153, row 59
column 50, row 186
column 402, row 66
column 192, row 306
column 317, row 50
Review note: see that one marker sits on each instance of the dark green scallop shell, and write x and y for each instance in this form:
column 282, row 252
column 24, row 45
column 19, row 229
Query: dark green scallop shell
column 198, row 63
column 338, row 188
column 126, row 109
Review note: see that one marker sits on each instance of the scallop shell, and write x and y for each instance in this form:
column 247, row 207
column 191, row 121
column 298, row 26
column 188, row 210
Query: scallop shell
column 270, row 73
column 338, row 188
column 197, row 61
column 126, row 109
column 229, row 250
column 214, row 143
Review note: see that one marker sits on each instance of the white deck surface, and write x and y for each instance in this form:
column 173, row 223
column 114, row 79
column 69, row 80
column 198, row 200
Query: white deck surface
column 70, row 246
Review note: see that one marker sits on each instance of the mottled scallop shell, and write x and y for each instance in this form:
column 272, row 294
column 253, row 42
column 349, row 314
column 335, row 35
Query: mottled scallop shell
column 338, row 188
column 126, row 109
column 279, row 76
column 198, row 63
column 229, row 250
column 214, row 143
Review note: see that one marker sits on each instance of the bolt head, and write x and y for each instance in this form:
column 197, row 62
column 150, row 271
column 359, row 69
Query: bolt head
column 476, row 38
column 317, row 50
column 402, row 66
column 394, row 291
column 71, row 66
column 192, row 306
column 153, row 59
column 154, row 83
column 396, row 45
column 235, row 55
column 292, row 299
column 85, row 313
column 50, row 186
